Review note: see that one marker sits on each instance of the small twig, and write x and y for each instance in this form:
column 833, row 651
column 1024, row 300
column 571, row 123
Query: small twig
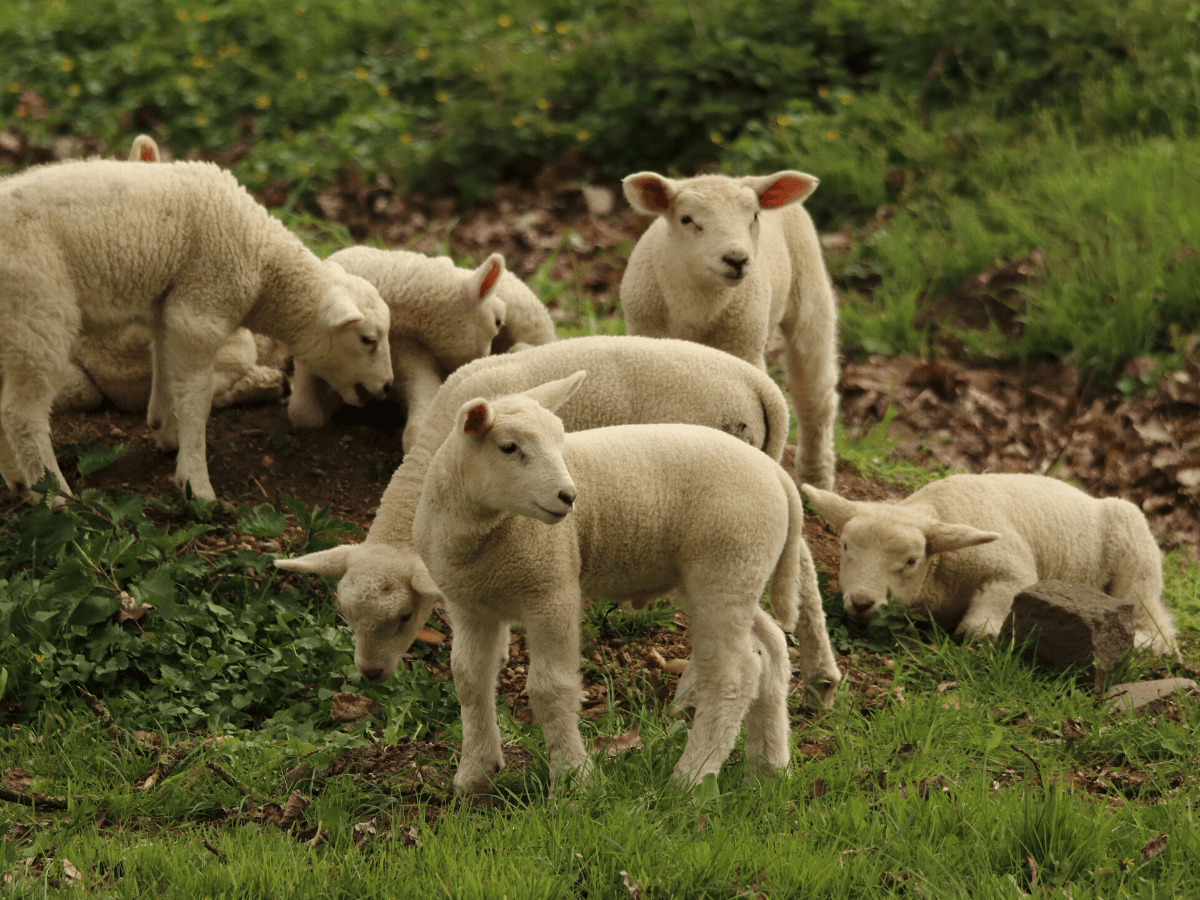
column 100, row 711
column 214, row 850
column 26, row 800
column 1036, row 765
column 219, row 770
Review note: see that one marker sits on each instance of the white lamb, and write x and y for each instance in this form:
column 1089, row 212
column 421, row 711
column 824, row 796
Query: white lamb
column 442, row 318
column 182, row 248
column 518, row 522
column 385, row 592
column 726, row 262
column 960, row 549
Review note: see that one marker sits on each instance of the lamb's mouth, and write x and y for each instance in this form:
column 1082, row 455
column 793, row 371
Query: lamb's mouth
column 557, row 515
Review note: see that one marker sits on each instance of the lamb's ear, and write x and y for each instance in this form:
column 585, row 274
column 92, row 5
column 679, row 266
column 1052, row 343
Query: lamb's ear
column 835, row 510
column 333, row 561
column 144, row 149
column 422, row 583
column 475, row 417
column 484, row 280
column 945, row 537
column 337, row 309
column 648, row 192
column 781, row 188
column 553, row 394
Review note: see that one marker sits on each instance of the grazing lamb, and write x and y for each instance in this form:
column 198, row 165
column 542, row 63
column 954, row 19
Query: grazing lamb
column 183, row 249
column 960, row 549
column 442, row 318
column 726, row 261
column 385, row 591
column 516, row 521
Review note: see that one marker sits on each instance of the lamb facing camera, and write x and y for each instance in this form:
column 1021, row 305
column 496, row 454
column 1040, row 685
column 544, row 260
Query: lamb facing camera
column 519, row 521
column 960, row 549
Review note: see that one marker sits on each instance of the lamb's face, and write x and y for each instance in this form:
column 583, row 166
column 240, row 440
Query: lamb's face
column 716, row 232
column 472, row 338
column 385, row 594
column 353, row 354
column 880, row 554
column 516, row 463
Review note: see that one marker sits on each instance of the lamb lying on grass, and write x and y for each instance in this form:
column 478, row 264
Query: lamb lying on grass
column 516, row 522
column 385, row 592
column 960, row 549
column 182, row 249
column 726, row 261
column 116, row 365
column 442, row 318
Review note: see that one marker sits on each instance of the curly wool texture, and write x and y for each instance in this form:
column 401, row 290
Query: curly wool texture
column 960, row 549
column 385, row 591
column 181, row 249
column 727, row 261
column 443, row 317
column 518, row 522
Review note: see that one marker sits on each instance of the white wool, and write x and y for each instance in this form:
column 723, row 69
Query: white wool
column 725, row 263
column 519, row 521
column 385, row 592
column 961, row 548
column 443, row 317
column 183, row 250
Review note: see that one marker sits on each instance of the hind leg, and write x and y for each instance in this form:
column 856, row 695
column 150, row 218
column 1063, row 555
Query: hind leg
column 25, row 400
column 812, row 374
column 768, row 748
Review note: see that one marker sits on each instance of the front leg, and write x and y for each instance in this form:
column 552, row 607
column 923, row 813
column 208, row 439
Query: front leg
column 990, row 606
column 480, row 646
column 418, row 374
column 555, row 686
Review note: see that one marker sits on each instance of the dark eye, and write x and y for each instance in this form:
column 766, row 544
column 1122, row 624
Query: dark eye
column 368, row 341
column 404, row 618
column 686, row 220
column 508, row 448
column 499, row 323
column 912, row 561
column 756, row 217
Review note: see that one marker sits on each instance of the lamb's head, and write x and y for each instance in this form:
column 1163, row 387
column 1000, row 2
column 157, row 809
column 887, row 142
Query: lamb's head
column 384, row 593
column 887, row 547
column 510, row 452
column 481, row 315
column 347, row 344
column 712, row 220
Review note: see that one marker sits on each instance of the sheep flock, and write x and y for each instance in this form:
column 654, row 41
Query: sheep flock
column 538, row 473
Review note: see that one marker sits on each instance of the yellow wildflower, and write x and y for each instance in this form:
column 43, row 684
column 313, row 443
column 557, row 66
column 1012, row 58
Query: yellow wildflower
column 303, row 168
column 831, row 134
column 14, row 87
column 381, row 90
column 847, row 99
column 21, row 111
column 227, row 49
column 537, row 29
column 184, row 82
column 181, row 15
column 422, row 53
column 583, row 135
column 822, row 92
column 562, row 27
column 716, row 137
column 543, row 104
column 200, row 62
column 73, row 90
column 505, row 21
column 361, row 74
column 441, row 96
column 406, row 138
column 302, row 75
column 263, row 101
column 783, row 121
column 518, row 121
column 201, row 119
column 202, row 16
column 66, row 65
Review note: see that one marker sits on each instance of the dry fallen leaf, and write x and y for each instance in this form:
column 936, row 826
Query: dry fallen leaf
column 618, row 744
column 350, row 707
column 1155, row 846
column 74, row 876
column 634, row 887
column 131, row 610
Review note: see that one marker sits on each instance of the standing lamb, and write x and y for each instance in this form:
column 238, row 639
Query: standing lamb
column 385, row 592
column 517, row 521
column 960, row 549
column 195, row 257
column 726, row 262
column 442, row 318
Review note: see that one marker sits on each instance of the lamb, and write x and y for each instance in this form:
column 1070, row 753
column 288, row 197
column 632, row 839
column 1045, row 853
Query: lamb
column 725, row 262
column 516, row 521
column 116, row 366
column 385, row 592
column 443, row 317
column 195, row 257
column 960, row 549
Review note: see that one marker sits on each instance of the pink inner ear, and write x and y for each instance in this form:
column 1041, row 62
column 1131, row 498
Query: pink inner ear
column 476, row 417
column 782, row 191
column 653, row 194
column 489, row 279
column 147, row 154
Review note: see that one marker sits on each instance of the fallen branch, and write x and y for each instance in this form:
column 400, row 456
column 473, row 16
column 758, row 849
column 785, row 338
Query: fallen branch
column 100, row 711
column 26, row 800
column 214, row 850
column 219, row 770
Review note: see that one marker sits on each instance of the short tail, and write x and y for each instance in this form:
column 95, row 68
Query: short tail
column 794, row 581
column 776, row 418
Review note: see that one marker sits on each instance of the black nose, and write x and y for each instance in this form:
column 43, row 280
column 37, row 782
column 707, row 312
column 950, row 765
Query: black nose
column 861, row 606
column 372, row 673
column 386, row 390
column 735, row 262
column 567, row 498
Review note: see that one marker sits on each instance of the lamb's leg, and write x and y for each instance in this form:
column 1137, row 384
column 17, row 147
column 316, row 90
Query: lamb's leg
column 726, row 678
column 555, row 688
column 990, row 606
column 30, row 386
column 1140, row 582
column 160, row 412
column 418, row 373
column 767, row 745
column 480, row 645
column 812, row 375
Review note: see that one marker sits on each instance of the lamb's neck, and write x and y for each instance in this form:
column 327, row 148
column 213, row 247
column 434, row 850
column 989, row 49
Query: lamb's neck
column 288, row 298
column 394, row 520
column 464, row 525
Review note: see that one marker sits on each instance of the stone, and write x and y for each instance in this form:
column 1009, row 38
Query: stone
column 1071, row 625
column 1139, row 695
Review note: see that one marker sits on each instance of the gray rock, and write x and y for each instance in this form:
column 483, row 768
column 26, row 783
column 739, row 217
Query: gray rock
column 1071, row 625
column 1139, row 695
